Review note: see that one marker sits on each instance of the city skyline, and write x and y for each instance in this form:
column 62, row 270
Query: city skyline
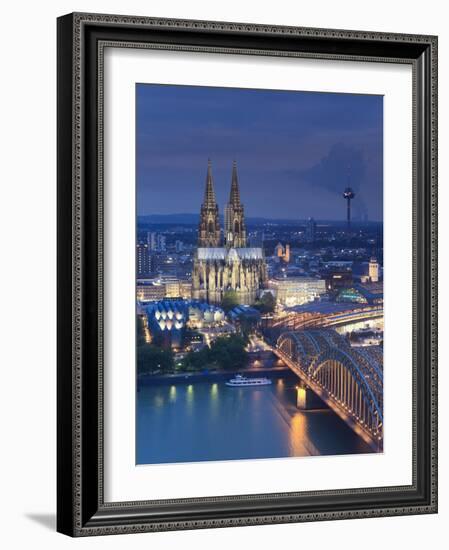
column 259, row 332
column 316, row 150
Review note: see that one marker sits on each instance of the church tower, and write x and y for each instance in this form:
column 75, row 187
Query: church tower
column 235, row 230
column 373, row 270
column 209, row 227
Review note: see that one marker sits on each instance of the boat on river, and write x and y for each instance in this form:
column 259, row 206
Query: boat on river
column 242, row 381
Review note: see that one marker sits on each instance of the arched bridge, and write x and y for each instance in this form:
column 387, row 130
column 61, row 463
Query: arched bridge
column 349, row 380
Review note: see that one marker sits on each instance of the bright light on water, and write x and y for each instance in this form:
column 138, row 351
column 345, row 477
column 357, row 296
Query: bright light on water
column 172, row 393
column 210, row 421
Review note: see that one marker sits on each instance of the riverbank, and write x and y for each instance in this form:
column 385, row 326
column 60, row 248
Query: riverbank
column 215, row 376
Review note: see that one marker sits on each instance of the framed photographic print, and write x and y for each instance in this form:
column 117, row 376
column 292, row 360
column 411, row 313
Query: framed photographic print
column 246, row 274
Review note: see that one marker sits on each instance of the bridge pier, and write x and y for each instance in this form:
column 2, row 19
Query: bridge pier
column 307, row 400
column 347, row 381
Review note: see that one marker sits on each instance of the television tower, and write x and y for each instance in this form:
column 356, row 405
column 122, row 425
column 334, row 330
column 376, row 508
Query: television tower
column 348, row 194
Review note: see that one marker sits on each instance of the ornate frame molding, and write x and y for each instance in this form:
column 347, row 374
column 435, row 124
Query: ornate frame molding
column 81, row 43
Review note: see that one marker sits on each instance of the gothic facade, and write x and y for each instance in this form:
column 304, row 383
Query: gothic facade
column 234, row 230
column 209, row 229
column 227, row 264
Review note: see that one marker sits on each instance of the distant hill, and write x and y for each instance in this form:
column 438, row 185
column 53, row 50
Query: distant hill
column 193, row 219
column 169, row 218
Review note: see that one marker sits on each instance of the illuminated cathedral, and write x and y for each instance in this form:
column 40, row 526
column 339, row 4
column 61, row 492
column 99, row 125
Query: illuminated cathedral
column 226, row 264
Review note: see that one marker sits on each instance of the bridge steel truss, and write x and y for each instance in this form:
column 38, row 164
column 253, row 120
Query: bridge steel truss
column 349, row 380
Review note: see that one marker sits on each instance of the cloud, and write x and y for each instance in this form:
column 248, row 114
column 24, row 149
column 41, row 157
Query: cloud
column 342, row 166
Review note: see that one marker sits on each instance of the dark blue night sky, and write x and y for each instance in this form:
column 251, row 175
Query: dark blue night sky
column 295, row 151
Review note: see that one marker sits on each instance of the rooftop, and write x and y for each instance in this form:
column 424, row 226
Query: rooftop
column 371, row 288
column 296, row 279
column 223, row 253
column 325, row 308
column 243, row 310
column 168, row 304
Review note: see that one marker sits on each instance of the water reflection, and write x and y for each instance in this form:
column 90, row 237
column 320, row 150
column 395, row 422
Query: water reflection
column 172, row 394
column 297, row 433
column 158, row 401
column 210, row 421
column 214, row 402
column 189, row 399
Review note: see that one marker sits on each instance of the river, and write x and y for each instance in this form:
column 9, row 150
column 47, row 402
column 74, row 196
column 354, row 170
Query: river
column 191, row 422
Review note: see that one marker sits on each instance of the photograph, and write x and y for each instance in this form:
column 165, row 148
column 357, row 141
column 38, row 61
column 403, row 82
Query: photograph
column 232, row 199
column 259, row 273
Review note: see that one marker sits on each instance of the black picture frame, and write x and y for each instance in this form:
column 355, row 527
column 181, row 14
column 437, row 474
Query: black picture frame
column 81, row 510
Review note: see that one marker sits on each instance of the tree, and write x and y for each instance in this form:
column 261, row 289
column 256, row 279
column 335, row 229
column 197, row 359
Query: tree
column 229, row 353
column 247, row 325
column 197, row 360
column 267, row 303
column 150, row 358
column 230, row 300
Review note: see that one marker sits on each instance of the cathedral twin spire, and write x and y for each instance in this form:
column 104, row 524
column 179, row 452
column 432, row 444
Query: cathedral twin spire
column 235, row 230
column 234, row 196
column 209, row 194
column 209, row 227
